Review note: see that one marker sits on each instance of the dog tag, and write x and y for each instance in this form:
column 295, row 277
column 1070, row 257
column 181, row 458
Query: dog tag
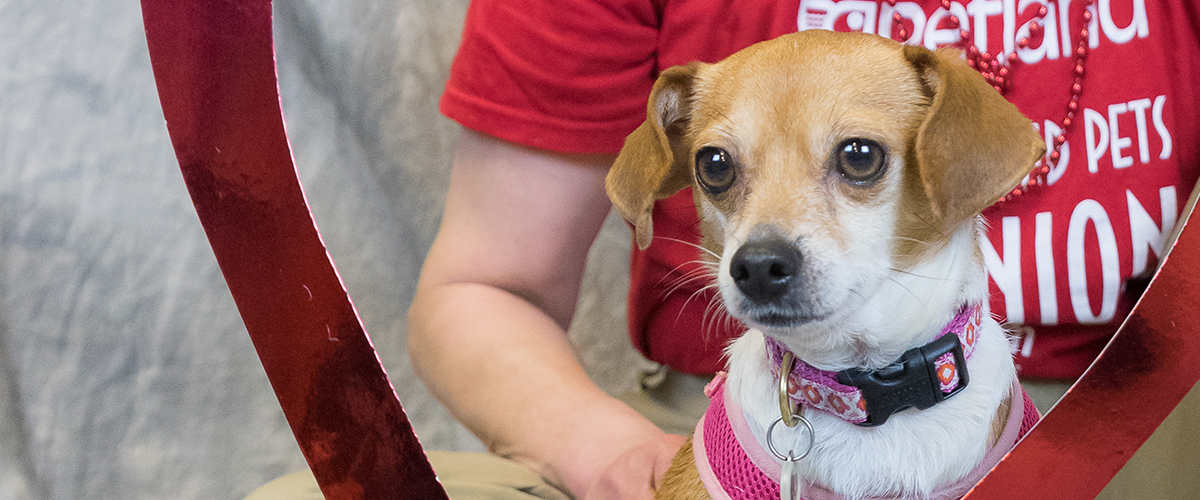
column 789, row 481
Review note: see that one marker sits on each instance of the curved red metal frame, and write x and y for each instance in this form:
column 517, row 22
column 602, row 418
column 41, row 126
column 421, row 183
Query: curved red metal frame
column 214, row 63
column 215, row 69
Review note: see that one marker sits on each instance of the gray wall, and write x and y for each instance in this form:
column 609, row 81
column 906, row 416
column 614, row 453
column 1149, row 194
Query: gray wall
column 125, row 371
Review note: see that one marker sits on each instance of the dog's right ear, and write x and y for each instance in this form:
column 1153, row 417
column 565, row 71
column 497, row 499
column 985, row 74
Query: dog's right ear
column 653, row 164
column 974, row 146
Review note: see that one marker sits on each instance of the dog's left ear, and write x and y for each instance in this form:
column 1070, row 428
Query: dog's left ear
column 974, row 146
column 653, row 163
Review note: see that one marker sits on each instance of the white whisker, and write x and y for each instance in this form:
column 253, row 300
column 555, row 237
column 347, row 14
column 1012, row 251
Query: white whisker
column 910, row 292
column 915, row 275
column 688, row 243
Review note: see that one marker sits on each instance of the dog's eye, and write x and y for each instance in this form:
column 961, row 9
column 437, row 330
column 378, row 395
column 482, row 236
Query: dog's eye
column 714, row 170
column 860, row 160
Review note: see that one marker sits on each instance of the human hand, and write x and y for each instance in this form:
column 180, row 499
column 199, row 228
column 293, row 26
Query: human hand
column 636, row 473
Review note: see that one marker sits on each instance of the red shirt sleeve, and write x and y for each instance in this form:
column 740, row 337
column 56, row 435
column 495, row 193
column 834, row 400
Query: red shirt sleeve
column 570, row 76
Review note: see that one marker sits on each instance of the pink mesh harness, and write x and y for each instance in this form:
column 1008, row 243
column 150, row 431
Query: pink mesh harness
column 733, row 466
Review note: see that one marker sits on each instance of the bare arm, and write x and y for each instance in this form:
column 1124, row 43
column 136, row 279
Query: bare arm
column 487, row 327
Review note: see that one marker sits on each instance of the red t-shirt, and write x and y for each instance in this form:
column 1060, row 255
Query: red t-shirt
column 574, row 76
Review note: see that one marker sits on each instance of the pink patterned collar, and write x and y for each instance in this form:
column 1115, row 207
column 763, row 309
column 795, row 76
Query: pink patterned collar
column 921, row 378
column 733, row 466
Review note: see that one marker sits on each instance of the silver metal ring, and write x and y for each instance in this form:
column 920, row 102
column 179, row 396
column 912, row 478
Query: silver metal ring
column 812, row 439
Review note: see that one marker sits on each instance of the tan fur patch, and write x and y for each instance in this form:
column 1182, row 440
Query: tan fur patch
column 682, row 481
column 1001, row 420
column 919, row 232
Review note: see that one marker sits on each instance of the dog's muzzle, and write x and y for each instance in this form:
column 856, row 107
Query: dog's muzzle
column 771, row 278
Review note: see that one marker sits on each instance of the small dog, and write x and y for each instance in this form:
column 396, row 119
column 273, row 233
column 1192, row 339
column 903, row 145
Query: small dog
column 838, row 178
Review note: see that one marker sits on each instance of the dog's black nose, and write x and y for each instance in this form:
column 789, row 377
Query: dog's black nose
column 763, row 269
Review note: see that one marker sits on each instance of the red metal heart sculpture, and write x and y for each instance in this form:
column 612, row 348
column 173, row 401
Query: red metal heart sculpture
column 214, row 63
column 215, row 69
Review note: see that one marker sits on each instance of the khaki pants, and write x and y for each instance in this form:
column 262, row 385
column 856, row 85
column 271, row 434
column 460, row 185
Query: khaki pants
column 1165, row 468
column 466, row 476
column 673, row 401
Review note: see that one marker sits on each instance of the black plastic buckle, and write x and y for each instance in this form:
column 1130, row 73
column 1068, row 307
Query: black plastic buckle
column 910, row 382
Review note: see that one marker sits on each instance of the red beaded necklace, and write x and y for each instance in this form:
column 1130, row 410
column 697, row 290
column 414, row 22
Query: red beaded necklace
column 999, row 74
